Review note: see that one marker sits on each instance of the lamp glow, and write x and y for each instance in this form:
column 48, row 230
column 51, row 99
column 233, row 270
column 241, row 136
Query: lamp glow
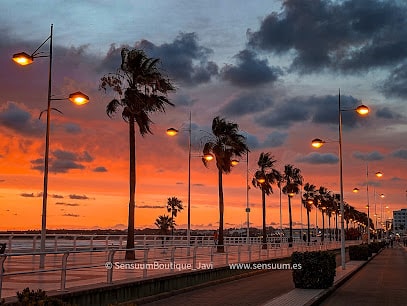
column 23, row 58
column 78, row 98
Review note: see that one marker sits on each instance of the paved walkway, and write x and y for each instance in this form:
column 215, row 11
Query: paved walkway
column 381, row 281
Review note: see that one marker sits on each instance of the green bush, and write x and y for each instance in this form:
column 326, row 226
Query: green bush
column 375, row 247
column 37, row 298
column 317, row 271
column 359, row 252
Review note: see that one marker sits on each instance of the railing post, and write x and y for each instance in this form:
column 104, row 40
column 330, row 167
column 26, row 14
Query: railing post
column 227, row 254
column 56, row 243
column 91, row 242
column 211, row 255
column 10, row 244
column 194, row 257
column 34, row 243
column 250, row 252
column 107, row 243
column 145, row 262
column 2, row 259
column 110, row 266
column 239, row 247
column 74, row 243
column 63, row 271
column 173, row 258
column 120, row 242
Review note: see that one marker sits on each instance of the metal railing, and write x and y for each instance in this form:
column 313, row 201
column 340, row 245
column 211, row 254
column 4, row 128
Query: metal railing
column 67, row 268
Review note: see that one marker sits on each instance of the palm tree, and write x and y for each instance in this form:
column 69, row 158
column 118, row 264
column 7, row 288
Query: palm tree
column 264, row 178
column 226, row 144
column 142, row 90
column 322, row 205
column 307, row 200
column 174, row 206
column 164, row 224
column 292, row 178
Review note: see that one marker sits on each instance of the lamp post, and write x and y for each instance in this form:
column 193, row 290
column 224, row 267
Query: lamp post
column 378, row 174
column 173, row 132
column 317, row 143
column 78, row 98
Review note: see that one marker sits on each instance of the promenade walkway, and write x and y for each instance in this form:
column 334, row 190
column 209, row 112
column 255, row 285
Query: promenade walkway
column 89, row 268
column 381, row 281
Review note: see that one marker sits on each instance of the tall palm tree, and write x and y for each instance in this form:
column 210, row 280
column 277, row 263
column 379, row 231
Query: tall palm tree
column 164, row 224
column 292, row 179
column 322, row 205
column 264, row 178
column 225, row 144
column 142, row 90
column 174, row 206
column 308, row 200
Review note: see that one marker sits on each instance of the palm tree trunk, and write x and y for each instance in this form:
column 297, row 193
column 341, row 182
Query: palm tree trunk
column 323, row 227
column 263, row 199
column 308, row 230
column 290, row 239
column 329, row 228
column 130, row 254
column 172, row 217
column 220, row 247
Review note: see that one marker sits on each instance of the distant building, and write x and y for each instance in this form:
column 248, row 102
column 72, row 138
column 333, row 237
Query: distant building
column 400, row 221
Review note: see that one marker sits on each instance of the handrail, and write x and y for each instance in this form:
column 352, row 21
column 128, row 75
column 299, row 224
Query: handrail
column 148, row 259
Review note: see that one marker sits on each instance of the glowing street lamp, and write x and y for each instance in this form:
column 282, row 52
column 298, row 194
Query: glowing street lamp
column 317, row 143
column 78, row 98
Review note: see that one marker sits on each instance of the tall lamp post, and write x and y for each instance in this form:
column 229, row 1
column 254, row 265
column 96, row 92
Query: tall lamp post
column 173, row 132
column 317, row 143
column 247, row 210
column 378, row 174
column 78, row 98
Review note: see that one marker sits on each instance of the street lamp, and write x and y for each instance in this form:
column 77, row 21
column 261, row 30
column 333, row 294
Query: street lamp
column 378, row 174
column 317, row 143
column 78, row 98
column 235, row 162
column 173, row 132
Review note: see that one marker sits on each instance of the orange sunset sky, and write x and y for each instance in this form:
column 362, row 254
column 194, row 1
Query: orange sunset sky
column 267, row 66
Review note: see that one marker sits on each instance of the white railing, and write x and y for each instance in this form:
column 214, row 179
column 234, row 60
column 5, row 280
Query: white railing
column 108, row 265
column 59, row 242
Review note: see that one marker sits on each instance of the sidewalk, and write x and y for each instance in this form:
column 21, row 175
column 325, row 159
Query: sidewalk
column 276, row 287
column 389, row 268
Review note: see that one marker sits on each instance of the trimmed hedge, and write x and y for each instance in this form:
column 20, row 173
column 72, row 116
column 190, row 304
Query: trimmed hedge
column 359, row 252
column 317, row 271
column 375, row 247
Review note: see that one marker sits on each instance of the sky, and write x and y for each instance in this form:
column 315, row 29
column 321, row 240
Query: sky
column 273, row 67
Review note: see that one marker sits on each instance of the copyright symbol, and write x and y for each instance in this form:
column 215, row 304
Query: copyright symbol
column 108, row 265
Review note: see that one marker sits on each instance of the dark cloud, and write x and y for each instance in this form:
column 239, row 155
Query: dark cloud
column 151, row 206
column 100, row 169
column 14, row 117
column 396, row 83
column 66, row 204
column 401, row 153
column 387, row 113
column 351, row 35
column 275, row 139
column 250, row 70
column 316, row 109
column 184, row 59
column 61, row 161
column 318, row 158
column 247, row 103
column 72, row 128
column 56, row 196
column 368, row 156
column 27, row 195
column 71, row 215
column 285, row 114
column 78, row 197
